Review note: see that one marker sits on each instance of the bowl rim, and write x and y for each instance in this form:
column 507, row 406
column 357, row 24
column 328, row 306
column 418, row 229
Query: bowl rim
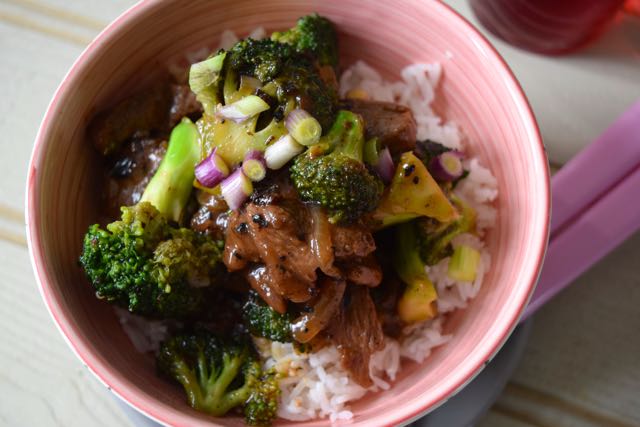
column 150, row 408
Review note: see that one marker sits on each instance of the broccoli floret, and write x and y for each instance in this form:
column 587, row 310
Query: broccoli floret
column 314, row 34
column 148, row 266
column 435, row 237
column 413, row 193
column 418, row 301
column 286, row 79
column 262, row 407
column 264, row 59
column 337, row 178
column 144, row 262
column 263, row 321
column 220, row 374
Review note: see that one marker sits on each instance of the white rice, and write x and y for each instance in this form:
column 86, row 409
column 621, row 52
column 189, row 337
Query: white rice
column 315, row 385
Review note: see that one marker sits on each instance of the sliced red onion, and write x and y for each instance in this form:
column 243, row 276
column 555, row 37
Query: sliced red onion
column 385, row 167
column 235, row 189
column 211, row 170
column 447, row 166
column 303, row 127
column 280, row 152
column 254, row 165
column 243, row 109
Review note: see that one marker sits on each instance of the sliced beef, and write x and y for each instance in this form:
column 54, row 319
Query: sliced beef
column 143, row 114
column 151, row 112
column 386, row 298
column 352, row 241
column 393, row 124
column 129, row 175
column 183, row 104
column 357, row 333
column 272, row 237
column 319, row 312
column 212, row 216
column 363, row 271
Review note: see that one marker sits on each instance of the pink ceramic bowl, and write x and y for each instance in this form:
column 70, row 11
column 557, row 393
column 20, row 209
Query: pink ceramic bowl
column 478, row 91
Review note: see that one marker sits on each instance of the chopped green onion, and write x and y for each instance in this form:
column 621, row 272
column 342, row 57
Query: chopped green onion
column 212, row 170
column 254, row 166
column 243, row 109
column 303, row 127
column 463, row 265
column 203, row 74
column 280, row 152
column 235, row 189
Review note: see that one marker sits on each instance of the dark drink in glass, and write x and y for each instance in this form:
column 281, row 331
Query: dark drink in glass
column 547, row 26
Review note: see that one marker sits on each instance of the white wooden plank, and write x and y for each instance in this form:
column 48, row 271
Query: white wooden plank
column 32, row 66
column 41, row 381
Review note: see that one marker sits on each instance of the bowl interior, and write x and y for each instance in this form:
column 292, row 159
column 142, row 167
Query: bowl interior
column 478, row 92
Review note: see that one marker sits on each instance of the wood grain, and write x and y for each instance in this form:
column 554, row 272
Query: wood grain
column 41, row 381
column 583, row 351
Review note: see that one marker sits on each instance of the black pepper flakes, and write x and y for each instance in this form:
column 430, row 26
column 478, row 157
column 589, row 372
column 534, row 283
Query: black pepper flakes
column 260, row 220
column 242, row 228
column 123, row 168
column 408, row 169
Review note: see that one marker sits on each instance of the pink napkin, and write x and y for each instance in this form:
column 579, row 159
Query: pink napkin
column 595, row 206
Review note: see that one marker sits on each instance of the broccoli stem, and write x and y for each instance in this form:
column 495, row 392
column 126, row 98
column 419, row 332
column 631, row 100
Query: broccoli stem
column 185, row 376
column 417, row 302
column 347, row 135
column 171, row 185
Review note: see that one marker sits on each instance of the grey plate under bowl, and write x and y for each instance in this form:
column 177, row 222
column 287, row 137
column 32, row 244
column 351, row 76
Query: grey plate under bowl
column 462, row 410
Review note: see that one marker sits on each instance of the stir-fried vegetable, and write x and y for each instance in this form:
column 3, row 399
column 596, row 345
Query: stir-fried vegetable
column 219, row 375
column 463, row 265
column 418, row 301
column 212, row 170
column 171, row 185
column 143, row 262
column 413, row 193
column 333, row 174
column 436, row 237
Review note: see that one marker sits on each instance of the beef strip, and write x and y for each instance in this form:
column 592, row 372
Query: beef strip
column 270, row 236
column 350, row 241
column 129, row 175
column 151, row 112
column 144, row 114
column 363, row 271
column 393, row 124
column 386, row 298
column 357, row 333
column 212, row 216
column 184, row 104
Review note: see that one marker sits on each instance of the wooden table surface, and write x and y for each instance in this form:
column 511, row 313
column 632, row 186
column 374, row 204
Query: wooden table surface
column 581, row 366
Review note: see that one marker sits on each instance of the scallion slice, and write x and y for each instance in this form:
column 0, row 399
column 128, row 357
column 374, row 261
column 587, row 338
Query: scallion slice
column 243, row 109
column 235, row 189
column 303, row 127
column 463, row 265
column 280, row 152
column 446, row 166
column 212, row 170
column 203, row 74
column 254, row 166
